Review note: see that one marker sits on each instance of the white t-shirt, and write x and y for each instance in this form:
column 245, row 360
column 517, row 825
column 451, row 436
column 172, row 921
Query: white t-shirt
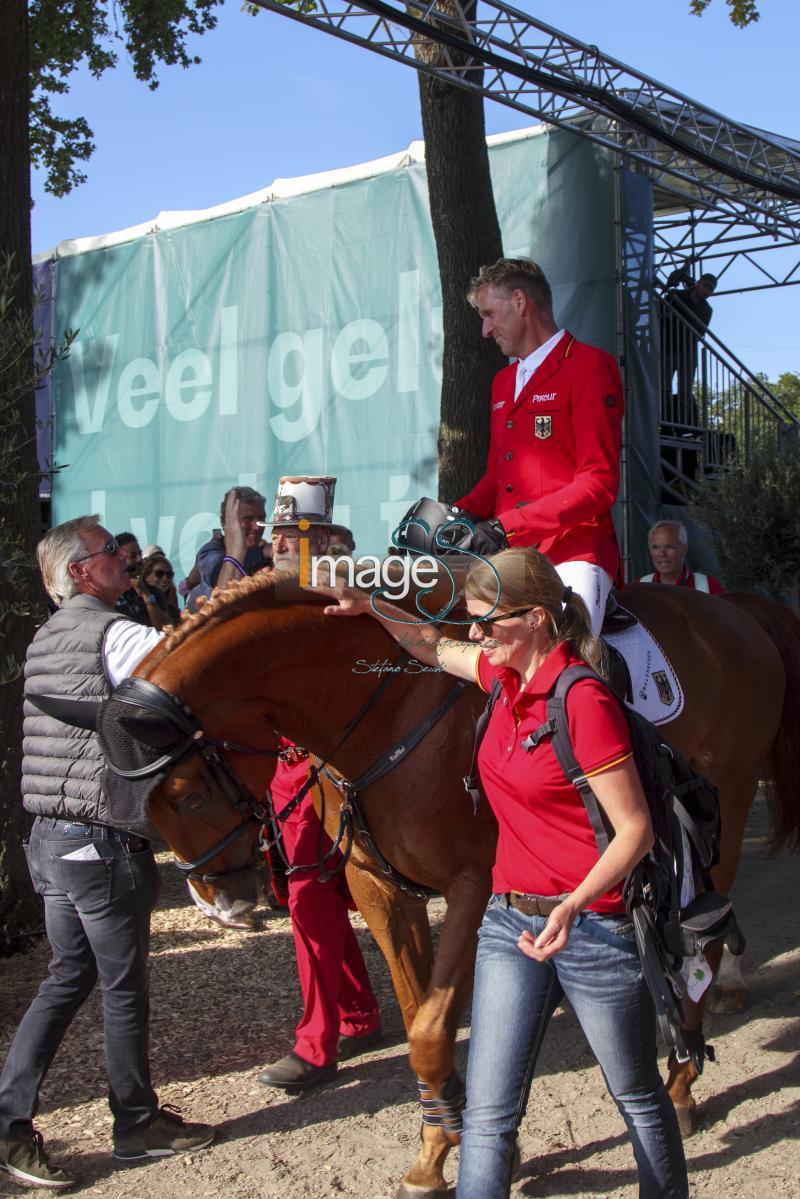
column 124, row 646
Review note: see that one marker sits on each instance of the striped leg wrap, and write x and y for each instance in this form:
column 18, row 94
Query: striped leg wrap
column 445, row 1110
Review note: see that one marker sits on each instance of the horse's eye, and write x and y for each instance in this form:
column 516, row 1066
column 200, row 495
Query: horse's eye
column 191, row 803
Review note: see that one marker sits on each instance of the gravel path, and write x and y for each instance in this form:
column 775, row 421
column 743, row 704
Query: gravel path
column 225, row 1003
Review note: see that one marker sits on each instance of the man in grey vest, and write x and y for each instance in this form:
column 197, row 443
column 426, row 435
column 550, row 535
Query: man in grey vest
column 99, row 883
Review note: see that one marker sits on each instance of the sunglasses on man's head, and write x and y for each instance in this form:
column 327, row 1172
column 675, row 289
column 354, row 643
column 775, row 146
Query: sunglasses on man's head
column 111, row 548
column 163, row 574
column 486, row 622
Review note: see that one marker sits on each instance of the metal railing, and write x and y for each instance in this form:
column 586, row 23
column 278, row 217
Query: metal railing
column 714, row 411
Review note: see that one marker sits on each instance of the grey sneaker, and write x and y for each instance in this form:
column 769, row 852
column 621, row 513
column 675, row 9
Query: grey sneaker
column 27, row 1161
column 166, row 1134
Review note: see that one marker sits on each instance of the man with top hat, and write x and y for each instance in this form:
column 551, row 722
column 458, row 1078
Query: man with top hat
column 340, row 1013
column 552, row 472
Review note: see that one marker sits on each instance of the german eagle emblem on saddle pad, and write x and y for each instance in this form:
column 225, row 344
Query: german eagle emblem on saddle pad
column 542, row 427
column 657, row 692
column 665, row 693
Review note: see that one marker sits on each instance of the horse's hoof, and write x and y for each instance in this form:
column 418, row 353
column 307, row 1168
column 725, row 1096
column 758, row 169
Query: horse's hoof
column 408, row 1190
column 687, row 1120
column 726, row 1001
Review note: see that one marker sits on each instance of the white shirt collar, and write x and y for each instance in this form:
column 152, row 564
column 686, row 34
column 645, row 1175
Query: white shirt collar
column 527, row 366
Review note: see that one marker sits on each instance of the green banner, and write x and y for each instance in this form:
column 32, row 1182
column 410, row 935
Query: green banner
column 297, row 335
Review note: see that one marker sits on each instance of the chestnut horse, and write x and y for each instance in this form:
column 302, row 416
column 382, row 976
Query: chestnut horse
column 262, row 659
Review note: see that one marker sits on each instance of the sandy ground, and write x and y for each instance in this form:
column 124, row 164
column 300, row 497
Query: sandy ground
column 225, row 1004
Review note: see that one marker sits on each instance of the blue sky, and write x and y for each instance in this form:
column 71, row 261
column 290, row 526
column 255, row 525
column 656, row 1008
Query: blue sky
column 275, row 99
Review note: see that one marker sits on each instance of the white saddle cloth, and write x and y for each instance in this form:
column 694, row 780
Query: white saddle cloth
column 657, row 693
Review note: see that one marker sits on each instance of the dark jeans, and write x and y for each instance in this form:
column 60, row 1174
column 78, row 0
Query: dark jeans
column 97, row 915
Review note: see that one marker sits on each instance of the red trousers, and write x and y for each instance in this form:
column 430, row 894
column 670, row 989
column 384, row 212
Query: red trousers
column 337, row 995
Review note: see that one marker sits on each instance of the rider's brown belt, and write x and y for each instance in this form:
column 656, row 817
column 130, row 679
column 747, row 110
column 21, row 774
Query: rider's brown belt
column 534, row 905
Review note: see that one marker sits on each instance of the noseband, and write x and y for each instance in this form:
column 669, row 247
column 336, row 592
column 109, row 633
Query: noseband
column 143, row 695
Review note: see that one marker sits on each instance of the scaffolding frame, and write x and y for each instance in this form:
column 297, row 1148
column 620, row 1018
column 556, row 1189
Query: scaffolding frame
column 717, row 183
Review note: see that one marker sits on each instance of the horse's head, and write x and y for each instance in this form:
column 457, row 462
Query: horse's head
column 259, row 660
column 169, row 776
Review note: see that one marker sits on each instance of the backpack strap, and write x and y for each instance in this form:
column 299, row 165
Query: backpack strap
column 471, row 781
column 557, row 727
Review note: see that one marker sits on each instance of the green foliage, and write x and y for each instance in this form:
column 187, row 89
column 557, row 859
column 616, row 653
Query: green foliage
column 787, row 389
column 752, row 514
column 66, row 34
column 743, row 12
column 22, row 369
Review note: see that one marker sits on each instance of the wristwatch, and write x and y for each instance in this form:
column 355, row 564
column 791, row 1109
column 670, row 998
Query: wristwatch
column 151, row 599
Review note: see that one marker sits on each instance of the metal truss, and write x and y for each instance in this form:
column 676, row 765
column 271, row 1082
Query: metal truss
column 742, row 257
column 696, row 157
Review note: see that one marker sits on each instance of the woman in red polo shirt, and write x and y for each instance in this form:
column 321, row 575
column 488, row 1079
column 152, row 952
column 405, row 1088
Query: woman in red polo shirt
column 555, row 925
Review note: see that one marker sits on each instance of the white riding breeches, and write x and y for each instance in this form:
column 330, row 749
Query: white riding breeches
column 592, row 584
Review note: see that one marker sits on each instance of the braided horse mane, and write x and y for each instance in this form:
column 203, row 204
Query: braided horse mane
column 273, row 589
column 268, row 588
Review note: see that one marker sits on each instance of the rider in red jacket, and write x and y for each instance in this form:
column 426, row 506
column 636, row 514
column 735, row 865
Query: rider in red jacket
column 552, row 472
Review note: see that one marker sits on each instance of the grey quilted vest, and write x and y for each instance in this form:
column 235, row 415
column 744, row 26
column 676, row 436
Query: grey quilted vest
column 61, row 764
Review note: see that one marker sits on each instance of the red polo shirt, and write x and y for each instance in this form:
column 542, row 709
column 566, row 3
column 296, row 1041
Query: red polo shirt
column 546, row 844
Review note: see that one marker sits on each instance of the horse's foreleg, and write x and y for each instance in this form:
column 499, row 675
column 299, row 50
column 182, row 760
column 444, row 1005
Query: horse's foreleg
column 433, row 1034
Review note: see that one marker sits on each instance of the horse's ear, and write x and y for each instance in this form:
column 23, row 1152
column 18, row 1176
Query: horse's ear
column 79, row 712
column 151, row 729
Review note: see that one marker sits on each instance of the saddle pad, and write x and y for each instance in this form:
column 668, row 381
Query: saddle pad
column 657, row 693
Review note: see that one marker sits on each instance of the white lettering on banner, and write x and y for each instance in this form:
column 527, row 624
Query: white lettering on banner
column 147, row 394
column 348, row 352
column 229, row 362
column 90, row 416
column 165, row 532
column 187, row 388
column 188, row 391
column 194, row 533
column 306, row 392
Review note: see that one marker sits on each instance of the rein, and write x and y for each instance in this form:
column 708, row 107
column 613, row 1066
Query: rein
column 352, row 817
column 142, row 694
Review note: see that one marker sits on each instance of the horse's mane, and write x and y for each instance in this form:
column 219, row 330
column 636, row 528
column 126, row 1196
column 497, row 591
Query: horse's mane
column 269, row 588
column 240, row 596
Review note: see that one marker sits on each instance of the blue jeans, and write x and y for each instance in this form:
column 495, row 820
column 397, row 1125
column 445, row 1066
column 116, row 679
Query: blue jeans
column 514, row 998
column 97, row 916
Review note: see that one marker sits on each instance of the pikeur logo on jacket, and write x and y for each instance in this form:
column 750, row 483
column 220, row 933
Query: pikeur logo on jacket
column 61, row 765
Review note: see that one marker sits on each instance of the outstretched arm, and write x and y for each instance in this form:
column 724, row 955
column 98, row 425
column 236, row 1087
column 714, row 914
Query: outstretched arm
column 418, row 637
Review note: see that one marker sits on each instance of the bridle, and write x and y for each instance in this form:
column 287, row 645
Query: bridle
column 142, row 694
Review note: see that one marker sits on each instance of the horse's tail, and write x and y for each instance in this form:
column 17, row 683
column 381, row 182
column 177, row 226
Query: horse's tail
column 782, row 626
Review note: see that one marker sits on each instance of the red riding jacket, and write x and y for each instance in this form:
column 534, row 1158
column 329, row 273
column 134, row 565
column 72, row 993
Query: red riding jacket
column 552, row 472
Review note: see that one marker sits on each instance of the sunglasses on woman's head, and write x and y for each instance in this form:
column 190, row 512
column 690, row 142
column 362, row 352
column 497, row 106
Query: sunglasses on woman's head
column 111, row 548
column 164, row 574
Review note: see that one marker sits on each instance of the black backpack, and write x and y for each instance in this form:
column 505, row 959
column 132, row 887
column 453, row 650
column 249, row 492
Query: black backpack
column 679, row 799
